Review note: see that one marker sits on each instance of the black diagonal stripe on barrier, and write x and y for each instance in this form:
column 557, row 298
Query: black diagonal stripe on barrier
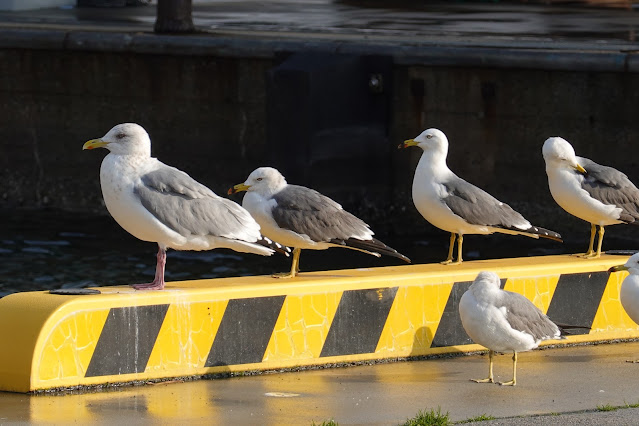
column 245, row 330
column 126, row 341
column 450, row 330
column 359, row 321
column 577, row 298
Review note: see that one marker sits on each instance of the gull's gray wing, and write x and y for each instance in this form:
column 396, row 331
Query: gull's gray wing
column 308, row 212
column 524, row 316
column 610, row 186
column 477, row 207
column 190, row 208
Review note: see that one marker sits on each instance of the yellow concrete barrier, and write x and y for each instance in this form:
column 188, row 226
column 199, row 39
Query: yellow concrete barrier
column 260, row 323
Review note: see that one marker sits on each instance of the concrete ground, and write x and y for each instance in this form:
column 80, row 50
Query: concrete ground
column 532, row 25
column 564, row 386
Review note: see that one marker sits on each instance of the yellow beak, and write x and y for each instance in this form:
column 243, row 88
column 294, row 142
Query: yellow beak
column 94, row 143
column 580, row 169
column 618, row 268
column 407, row 143
column 238, row 188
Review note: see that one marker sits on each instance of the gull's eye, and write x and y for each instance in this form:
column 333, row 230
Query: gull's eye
column 258, row 179
column 120, row 135
column 429, row 136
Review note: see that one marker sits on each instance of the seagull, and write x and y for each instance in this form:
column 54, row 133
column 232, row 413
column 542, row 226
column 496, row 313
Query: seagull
column 454, row 205
column 158, row 203
column 629, row 293
column 597, row 194
column 302, row 218
column 503, row 321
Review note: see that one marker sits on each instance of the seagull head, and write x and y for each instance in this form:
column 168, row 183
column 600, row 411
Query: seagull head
column 263, row 180
column 558, row 153
column 123, row 139
column 487, row 279
column 632, row 265
column 430, row 140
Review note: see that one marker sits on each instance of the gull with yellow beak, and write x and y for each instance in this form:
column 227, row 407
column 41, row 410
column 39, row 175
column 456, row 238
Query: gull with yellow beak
column 503, row 321
column 459, row 207
column 597, row 194
column 302, row 218
column 158, row 203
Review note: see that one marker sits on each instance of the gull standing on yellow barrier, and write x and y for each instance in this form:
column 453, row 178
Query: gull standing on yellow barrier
column 303, row 218
column 502, row 321
column 597, row 194
column 454, row 205
column 158, row 203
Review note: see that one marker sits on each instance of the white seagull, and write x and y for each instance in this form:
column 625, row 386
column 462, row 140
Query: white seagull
column 629, row 293
column 454, row 205
column 597, row 194
column 158, row 203
column 303, row 218
column 503, row 321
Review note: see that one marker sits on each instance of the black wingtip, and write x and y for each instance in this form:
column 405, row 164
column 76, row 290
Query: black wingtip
column 274, row 245
column 373, row 246
column 546, row 233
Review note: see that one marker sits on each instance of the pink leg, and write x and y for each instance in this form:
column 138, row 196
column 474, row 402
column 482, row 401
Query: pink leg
column 158, row 281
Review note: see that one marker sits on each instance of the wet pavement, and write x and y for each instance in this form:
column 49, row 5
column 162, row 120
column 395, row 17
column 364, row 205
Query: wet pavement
column 539, row 25
column 566, row 385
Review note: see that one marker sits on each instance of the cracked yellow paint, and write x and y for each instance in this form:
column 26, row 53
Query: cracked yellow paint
column 611, row 316
column 302, row 326
column 186, row 337
column 68, row 349
column 539, row 290
column 413, row 320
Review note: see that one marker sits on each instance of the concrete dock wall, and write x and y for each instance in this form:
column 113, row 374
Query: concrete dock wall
column 218, row 107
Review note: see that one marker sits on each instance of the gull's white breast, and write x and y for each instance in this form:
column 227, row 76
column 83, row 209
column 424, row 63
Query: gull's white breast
column 428, row 193
column 630, row 296
column 565, row 187
column 118, row 176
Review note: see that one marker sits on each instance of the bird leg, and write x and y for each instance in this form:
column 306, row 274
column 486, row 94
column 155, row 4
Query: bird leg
column 512, row 382
column 490, row 378
column 460, row 241
column 158, row 281
column 601, row 235
column 295, row 266
column 449, row 259
column 593, row 231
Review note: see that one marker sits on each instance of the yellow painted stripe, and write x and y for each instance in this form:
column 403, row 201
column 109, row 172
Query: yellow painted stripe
column 302, row 326
column 186, row 336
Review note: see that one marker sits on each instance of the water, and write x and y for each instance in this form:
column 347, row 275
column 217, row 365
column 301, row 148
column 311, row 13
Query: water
column 43, row 250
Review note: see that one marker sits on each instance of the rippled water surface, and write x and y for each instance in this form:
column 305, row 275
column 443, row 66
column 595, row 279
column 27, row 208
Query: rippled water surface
column 41, row 250
column 50, row 249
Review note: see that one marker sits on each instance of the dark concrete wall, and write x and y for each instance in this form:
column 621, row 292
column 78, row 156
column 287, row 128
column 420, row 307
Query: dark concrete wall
column 205, row 115
column 208, row 115
column 496, row 121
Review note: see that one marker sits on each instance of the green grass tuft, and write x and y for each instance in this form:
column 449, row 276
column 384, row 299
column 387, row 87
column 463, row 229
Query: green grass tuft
column 606, row 407
column 429, row 418
column 330, row 422
column 480, row 418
